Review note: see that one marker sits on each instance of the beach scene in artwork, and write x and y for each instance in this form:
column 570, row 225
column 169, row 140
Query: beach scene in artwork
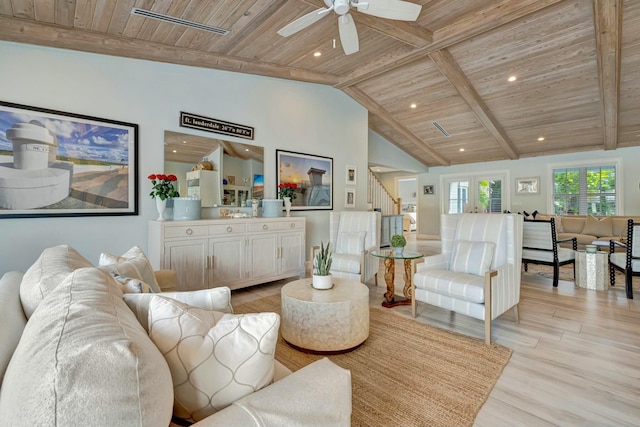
column 53, row 163
column 312, row 175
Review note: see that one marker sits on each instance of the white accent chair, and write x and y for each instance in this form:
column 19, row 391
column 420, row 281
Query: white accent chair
column 628, row 261
column 478, row 271
column 353, row 235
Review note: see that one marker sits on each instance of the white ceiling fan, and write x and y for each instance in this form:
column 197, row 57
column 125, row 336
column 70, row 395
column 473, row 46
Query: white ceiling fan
column 390, row 9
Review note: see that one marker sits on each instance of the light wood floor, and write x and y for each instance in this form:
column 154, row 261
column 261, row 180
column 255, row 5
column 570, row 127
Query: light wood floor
column 576, row 352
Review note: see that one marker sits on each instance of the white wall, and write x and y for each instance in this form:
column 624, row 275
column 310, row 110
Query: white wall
column 429, row 205
column 383, row 153
column 287, row 115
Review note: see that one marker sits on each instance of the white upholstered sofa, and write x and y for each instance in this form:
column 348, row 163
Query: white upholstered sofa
column 74, row 353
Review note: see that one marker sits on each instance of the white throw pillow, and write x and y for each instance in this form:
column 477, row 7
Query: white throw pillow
column 215, row 358
column 52, row 266
column 472, row 257
column 133, row 263
column 218, row 299
column 350, row 243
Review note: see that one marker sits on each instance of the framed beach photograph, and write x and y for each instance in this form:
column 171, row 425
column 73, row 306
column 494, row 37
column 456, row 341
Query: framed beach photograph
column 351, row 175
column 312, row 176
column 529, row 185
column 54, row 163
column 350, row 198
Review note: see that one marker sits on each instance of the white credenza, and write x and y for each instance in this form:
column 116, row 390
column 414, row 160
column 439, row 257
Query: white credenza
column 228, row 252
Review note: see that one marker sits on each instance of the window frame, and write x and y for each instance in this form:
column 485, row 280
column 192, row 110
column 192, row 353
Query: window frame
column 617, row 164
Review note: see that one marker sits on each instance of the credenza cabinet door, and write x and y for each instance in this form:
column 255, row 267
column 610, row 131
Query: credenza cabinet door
column 188, row 258
column 263, row 250
column 292, row 254
column 226, row 264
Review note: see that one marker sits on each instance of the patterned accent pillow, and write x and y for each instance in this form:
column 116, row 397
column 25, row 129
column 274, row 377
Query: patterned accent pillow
column 350, row 243
column 472, row 257
column 130, row 285
column 133, row 263
column 214, row 358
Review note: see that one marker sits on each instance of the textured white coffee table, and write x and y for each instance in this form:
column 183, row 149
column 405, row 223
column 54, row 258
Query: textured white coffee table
column 592, row 270
column 325, row 321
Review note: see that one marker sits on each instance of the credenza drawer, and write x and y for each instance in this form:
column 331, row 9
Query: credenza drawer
column 291, row 225
column 227, row 229
column 262, row 226
column 186, row 231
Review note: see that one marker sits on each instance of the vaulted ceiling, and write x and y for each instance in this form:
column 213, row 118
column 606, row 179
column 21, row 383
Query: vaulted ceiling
column 576, row 63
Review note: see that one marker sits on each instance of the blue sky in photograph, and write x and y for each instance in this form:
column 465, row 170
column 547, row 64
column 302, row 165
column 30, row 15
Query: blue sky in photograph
column 294, row 168
column 77, row 139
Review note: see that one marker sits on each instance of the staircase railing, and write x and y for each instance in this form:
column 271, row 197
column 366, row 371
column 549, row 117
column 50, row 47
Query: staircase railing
column 379, row 196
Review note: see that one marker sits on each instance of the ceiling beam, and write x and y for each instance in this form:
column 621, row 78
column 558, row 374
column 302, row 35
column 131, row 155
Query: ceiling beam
column 607, row 16
column 22, row 31
column 452, row 72
column 471, row 25
column 384, row 115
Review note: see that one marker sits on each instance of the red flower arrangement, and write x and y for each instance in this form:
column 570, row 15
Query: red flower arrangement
column 287, row 189
column 163, row 186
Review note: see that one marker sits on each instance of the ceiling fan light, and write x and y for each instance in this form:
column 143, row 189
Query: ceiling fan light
column 341, row 6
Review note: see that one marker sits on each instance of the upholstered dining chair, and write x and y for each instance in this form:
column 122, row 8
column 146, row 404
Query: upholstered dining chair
column 478, row 271
column 628, row 261
column 353, row 236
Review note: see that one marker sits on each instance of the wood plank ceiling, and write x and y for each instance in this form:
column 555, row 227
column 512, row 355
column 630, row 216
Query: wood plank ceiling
column 576, row 62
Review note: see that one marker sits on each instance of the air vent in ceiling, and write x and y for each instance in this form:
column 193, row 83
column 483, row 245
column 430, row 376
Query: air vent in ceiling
column 441, row 129
column 179, row 21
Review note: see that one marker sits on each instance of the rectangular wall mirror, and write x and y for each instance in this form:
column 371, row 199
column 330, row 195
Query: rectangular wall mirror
column 238, row 169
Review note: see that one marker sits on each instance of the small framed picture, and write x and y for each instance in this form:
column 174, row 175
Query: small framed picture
column 351, row 175
column 529, row 185
column 350, row 198
column 428, row 189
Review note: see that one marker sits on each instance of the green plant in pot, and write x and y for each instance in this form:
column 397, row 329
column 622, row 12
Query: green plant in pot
column 322, row 268
column 398, row 242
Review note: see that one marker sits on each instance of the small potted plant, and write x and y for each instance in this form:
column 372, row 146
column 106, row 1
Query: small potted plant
column 398, row 242
column 322, row 268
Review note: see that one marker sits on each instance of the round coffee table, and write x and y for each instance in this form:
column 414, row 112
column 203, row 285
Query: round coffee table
column 335, row 320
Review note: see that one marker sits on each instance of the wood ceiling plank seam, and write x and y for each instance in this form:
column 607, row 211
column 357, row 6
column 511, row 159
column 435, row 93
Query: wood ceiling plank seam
column 239, row 22
column 43, row 10
column 194, row 11
column 271, row 17
column 452, row 72
column 224, row 17
column 24, row 9
column 149, row 26
column 87, row 41
column 162, row 29
column 134, row 23
column 399, row 59
column 83, row 15
column 65, row 12
column 607, row 16
column 198, row 39
column 111, row 17
column 377, row 110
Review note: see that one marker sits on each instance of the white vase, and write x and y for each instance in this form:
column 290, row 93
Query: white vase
column 399, row 250
column 287, row 205
column 322, row 282
column 161, row 205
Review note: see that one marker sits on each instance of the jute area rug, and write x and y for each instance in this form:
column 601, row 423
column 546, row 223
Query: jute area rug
column 407, row 373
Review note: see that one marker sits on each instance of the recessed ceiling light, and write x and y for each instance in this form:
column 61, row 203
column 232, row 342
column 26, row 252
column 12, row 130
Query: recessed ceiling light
column 246, row 149
column 414, row 105
column 512, row 78
column 316, row 54
column 184, row 142
column 541, row 138
column 462, row 149
column 175, row 151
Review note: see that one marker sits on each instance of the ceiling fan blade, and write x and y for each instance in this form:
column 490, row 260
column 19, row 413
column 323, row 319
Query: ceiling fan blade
column 303, row 22
column 348, row 34
column 390, row 9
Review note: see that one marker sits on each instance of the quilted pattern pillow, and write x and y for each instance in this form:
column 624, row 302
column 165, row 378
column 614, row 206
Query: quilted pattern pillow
column 472, row 257
column 214, row 358
column 350, row 243
column 133, row 263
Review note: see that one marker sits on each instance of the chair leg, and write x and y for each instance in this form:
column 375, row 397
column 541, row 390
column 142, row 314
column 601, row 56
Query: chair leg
column 515, row 313
column 627, row 283
column 376, row 278
column 612, row 275
column 556, row 274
